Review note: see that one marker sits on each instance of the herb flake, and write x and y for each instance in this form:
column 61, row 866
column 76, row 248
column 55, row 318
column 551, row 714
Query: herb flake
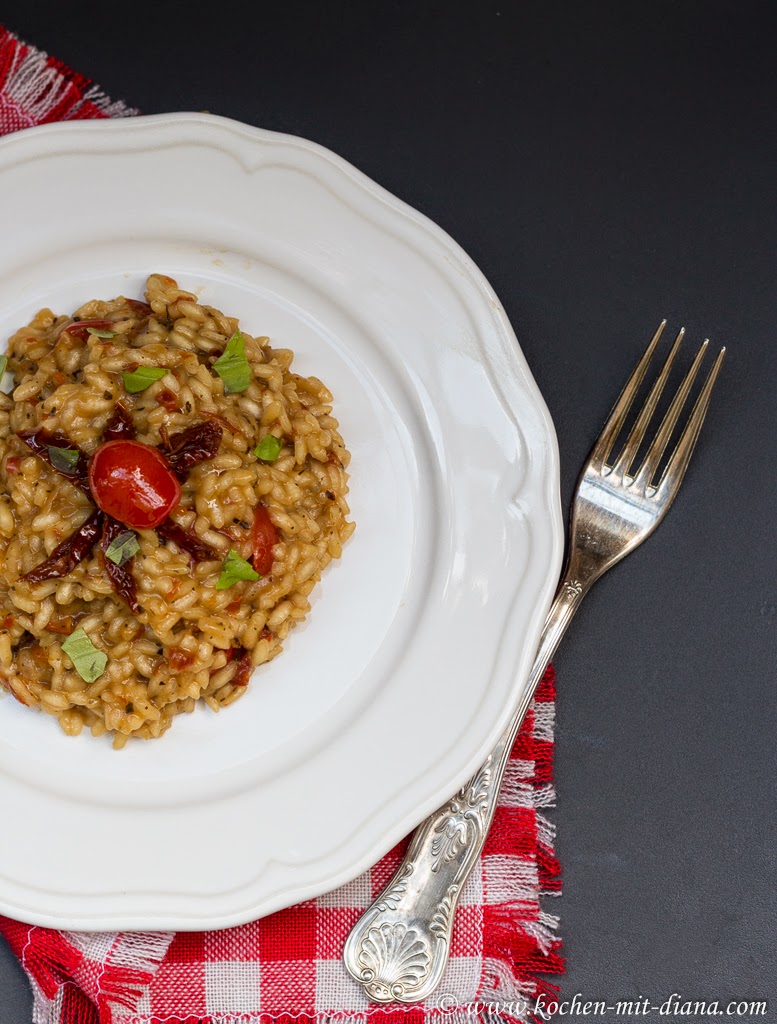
column 123, row 547
column 100, row 334
column 234, row 569
column 269, row 448
column 63, row 459
column 143, row 377
column 88, row 661
column 232, row 365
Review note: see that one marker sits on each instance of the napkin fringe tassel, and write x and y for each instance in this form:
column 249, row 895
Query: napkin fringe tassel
column 45, row 89
column 131, row 968
column 63, row 992
column 521, row 950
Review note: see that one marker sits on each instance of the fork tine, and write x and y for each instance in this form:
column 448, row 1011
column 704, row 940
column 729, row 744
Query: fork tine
column 621, row 410
column 639, row 429
column 678, row 463
column 658, row 446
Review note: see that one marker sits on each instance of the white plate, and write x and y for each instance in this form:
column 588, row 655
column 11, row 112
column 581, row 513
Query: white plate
column 420, row 639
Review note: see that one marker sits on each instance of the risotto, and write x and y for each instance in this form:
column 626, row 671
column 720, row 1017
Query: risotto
column 170, row 492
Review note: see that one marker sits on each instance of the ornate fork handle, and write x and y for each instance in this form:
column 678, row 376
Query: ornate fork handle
column 398, row 949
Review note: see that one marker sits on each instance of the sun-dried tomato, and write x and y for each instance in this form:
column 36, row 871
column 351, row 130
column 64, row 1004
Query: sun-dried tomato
column 122, row 580
column 139, row 308
column 120, row 426
column 191, row 446
column 233, row 428
column 187, row 541
column 80, row 328
column 39, row 441
column 67, row 555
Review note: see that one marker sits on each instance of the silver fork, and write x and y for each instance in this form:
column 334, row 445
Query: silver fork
column 399, row 947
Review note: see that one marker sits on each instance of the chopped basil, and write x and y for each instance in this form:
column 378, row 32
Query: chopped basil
column 100, row 334
column 235, row 568
column 6, row 377
column 268, row 448
column 143, row 377
column 123, row 547
column 88, row 661
column 232, row 365
column 63, row 459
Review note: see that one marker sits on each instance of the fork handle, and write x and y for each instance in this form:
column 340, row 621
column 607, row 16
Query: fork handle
column 399, row 947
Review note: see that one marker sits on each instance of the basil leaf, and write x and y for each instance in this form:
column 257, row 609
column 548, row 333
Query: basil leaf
column 143, row 377
column 235, row 568
column 123, row 547
column 100, row 334
column 6, row 377
column 88, row 661
column 232, row 365
column 63, row 459
column 269, row 448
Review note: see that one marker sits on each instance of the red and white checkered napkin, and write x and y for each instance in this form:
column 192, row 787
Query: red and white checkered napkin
column 289, row 965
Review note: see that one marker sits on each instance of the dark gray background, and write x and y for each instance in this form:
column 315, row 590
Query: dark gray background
column 605, row 165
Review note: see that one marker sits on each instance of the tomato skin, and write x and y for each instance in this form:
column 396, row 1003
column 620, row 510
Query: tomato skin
column 264, row 537
column 80, row 328
column 133, row 483
column 242, row 674
column 179, row 658
column 63, row 625
column 139, row 308
column 168, row 399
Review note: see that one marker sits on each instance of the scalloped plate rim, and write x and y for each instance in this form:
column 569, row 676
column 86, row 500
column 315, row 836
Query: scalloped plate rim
column 329, row 875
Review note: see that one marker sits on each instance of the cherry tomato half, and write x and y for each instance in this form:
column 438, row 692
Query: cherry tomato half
column 264, row 536
column 133, row 483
